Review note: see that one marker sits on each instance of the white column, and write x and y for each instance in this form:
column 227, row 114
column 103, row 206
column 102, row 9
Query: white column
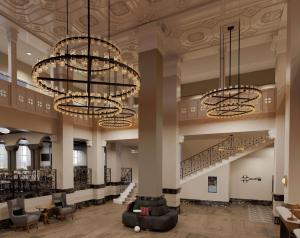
column 171, row 147
column 62, row 151
column 96, row 157
column 96, row 162
column 280, row 78
column 12, row 37
column 113, row 162
column 150, row 111
column 292, row 167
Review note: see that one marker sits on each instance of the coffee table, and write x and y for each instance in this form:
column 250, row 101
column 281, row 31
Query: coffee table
column 45, row 212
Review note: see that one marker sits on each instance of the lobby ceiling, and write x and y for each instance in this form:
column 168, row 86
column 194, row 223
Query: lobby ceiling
column 190, row 27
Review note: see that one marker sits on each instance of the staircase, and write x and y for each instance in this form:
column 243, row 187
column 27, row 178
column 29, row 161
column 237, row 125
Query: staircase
column 124, row 195
column 227, row 151
column 132, row 196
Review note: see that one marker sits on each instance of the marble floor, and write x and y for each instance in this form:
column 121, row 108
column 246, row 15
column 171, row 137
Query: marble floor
column 195, row 221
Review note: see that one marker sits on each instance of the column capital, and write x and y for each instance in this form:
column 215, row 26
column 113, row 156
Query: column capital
column 34, row 146
column 150, row 36
column 181, row 139
column 279, row 42
column 172, row 66
column 12, row 34
column 11, row 147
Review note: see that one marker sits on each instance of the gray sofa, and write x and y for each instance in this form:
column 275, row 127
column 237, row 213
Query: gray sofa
column 161, row 217
column 19, row 216
column 62, row 209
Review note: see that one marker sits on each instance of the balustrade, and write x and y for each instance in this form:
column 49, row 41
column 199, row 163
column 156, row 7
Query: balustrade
column 27, row 183
column 217, row 153
column 82, row 177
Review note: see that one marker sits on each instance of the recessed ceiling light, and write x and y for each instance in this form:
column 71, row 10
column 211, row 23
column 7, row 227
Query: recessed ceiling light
column 4, row 130
column 28, row 53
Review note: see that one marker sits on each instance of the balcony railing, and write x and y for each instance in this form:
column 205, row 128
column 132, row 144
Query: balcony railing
column 82, row 177
column 223, row 150
column 126, row 178
column 27, row 183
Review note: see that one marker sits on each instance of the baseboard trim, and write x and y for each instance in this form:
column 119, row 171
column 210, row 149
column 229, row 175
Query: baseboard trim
column 171, row 190
column 250, row 201
column 278, row 197
column 111, row 197
column 204, row 202
column 178, row 209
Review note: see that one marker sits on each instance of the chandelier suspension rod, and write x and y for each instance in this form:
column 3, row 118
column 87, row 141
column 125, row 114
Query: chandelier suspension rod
column 239, row 60
column 108, row 36
column 89, row 58
column 68, row 60
column 230, row 28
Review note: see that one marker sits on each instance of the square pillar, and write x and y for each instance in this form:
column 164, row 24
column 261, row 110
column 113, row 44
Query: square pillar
column 171, row 147
column 62, row 152
column 292, row 132
column 150, row 111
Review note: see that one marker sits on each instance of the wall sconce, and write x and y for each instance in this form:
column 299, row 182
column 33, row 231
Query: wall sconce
column 284, row 180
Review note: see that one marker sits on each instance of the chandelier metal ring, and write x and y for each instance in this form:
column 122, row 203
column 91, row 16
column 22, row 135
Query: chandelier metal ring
column 115, row 123
column 77, row 104
column 121, row 120
column 231, row 95
column 128, row 87
column 230, row 110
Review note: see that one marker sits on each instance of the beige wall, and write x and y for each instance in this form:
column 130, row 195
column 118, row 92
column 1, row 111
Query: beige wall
column 24, row 70
column 258, row 164
column 198, row 189
column 129, row 160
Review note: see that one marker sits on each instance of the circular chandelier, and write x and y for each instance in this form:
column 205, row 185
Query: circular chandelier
column 231, row 100
column 124, row 119
column 86, row 74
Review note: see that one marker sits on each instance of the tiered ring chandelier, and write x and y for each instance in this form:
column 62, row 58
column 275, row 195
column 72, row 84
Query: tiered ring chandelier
column 86, row 74
column 231, row 100
column 124, row 119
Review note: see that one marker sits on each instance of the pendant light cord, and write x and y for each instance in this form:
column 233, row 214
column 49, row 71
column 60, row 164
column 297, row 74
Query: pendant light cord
column 230, row 46
column 89, row 58
column 68, row 61
column 108, row 36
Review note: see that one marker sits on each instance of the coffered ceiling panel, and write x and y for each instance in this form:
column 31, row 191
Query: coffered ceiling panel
column 188, row 25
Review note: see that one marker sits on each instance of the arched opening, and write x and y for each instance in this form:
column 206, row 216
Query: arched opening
column 23, row 155
column 3, row 156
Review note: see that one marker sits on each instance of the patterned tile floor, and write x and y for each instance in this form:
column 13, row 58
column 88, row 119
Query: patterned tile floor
column 260, row 214
column 194, row 222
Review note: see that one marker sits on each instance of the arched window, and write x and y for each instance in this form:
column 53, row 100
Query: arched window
column 3, row 156
column 23, row 155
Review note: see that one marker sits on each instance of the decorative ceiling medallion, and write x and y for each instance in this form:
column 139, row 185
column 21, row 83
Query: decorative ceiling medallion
column 272, row 16
column 19, row 3
column 194, row 37
column 83, row 20
column 120, row 8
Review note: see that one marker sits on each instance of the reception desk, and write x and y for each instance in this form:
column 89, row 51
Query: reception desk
column 286, row 226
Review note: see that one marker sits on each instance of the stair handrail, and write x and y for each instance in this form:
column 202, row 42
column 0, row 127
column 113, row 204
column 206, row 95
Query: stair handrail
column 206, row 157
